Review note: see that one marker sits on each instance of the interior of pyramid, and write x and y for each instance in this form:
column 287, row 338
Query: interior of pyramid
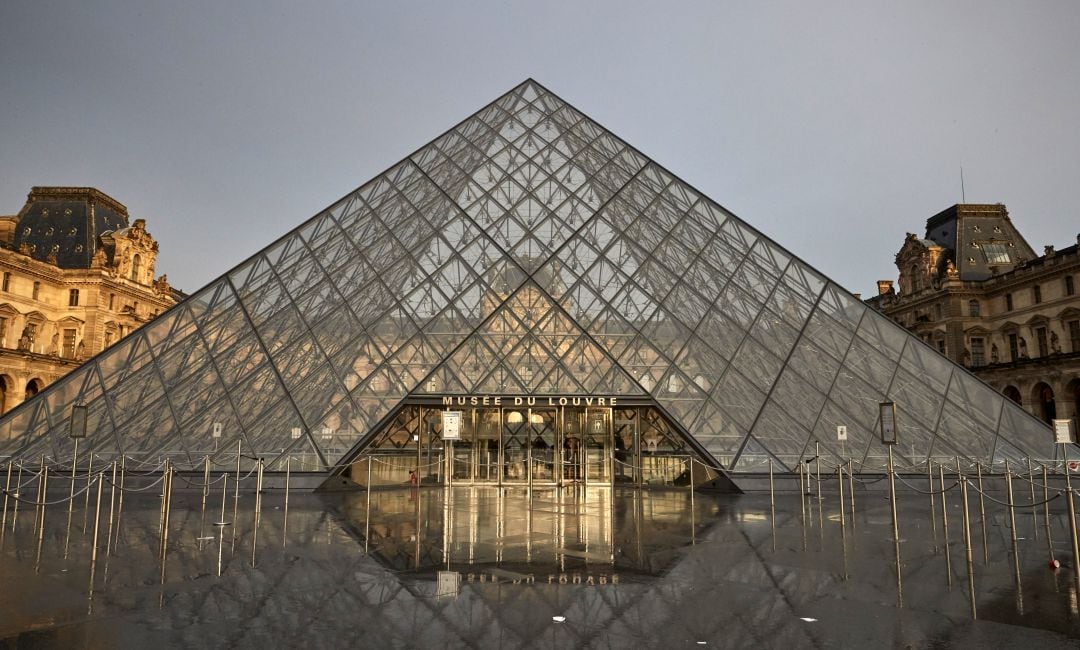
column 527, row 251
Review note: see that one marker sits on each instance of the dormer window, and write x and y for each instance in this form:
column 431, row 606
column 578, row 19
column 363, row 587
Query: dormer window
column 136, row 267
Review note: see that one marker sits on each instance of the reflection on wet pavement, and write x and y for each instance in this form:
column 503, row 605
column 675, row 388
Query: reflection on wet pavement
column 490, row 567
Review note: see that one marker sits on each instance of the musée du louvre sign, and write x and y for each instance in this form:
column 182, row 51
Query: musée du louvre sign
column 525, row 400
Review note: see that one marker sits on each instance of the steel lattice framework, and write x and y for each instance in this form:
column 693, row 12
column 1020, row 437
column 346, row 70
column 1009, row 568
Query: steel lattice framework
column 525, row 251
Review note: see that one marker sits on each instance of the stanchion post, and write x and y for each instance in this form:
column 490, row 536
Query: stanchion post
column 1072, row 514
column 1046, row 519
column 896, row 530
column 945, row 524
column 982, row 515
column 7, row 488
column 1012, row 521
column 933, row 500
column 840, row 481
column 851, row 488
column 967, row 544
column 112, row 503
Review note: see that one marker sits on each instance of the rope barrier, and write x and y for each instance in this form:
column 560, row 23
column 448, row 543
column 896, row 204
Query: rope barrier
column 910, row 486
column 142, row 489
column 201, row 484
column 1014, row 506
column 15, row 495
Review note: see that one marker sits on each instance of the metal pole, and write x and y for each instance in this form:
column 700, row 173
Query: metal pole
column 15, row 506
column 1046, row 519
column 285, row 522
column 367, row 514
column 772, row 505
column 967, row 546
column 1072, row 513
column 112, row 503
column 38, row 499
column 97, row 521
column 44, row 496
column 1012, row 523
column 120, row 502
column 933, row 501
column 840, row 482
column 7, row 488
column 945, row 524
column 817, row 470
column 982, row 515
column 86, row 497
column 851, row 489
column 896, row 531
column 71, row 493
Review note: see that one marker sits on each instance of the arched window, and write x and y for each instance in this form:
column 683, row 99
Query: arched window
column 973, row 308
column 136, row 267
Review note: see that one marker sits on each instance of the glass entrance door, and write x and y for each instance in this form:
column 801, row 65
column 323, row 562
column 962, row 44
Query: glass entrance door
column 543, row 440
column 588, row 448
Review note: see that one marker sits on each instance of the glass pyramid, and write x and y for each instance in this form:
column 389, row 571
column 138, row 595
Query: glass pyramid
column 526, row 251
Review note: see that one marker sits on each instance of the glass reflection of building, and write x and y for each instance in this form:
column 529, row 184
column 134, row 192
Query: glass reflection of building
column 525, row 253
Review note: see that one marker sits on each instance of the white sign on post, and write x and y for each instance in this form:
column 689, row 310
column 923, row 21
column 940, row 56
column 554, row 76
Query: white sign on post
column 295, row 433
column 1063, row 432
column 841, row 432
column 217, row 430
column 451, row 425
column 887, row 421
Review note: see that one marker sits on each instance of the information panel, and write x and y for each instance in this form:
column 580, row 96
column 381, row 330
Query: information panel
column 451, row 425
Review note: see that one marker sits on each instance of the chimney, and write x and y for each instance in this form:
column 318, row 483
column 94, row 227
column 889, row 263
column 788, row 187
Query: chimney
column 858, row 296
column 1048, row 251
column 884, row 287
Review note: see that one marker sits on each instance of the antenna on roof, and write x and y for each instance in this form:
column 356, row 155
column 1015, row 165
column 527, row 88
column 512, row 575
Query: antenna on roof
column 963, row 196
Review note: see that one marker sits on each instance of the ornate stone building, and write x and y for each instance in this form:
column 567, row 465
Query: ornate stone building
column 974, row 290
column 75, row 277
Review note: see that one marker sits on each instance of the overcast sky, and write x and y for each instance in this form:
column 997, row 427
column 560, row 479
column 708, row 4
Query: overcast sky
column 834, row 128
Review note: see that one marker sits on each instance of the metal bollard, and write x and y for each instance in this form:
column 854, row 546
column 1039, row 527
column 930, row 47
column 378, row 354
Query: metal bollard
column 945, row 524
column 1072, row 513
column 896, row 531
column 7, row 488
column 1012, row 523
column 285, row 521
column 112, row 502
column 1046, row 520
column 967, row 547
column 851, row 489
column 840, row 482
column 933, row 501
column 982, row 515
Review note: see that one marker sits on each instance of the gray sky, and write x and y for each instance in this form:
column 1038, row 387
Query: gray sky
column 832, row 127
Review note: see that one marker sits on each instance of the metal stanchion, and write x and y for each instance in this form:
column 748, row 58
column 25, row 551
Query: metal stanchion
column 851, row 490
column 1072, row 514
column 7, row 488
column 42, row 498
column 1054, row 564
column 817, row 469
column 945, row 524
column 120, row 500
column 367, row 514
column 772, row 503
column 38, row 498
column 112, row 503
column 1031, row 485
column 933, row 500
column 15, row 506
column 896, row 531
column 94, row 549
column 967, row 544
column 86, row 496
column 840, row 482
column 285, row 521
column 1012, row 523
column 982, row 515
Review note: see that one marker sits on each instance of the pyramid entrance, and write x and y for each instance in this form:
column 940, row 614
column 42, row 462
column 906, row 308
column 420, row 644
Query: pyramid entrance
column 526, row 440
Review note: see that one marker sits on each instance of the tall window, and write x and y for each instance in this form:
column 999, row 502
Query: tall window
column 37, row 290
column 1070, row 288
column 1008, row 302
column 1036, row 293
column 973, row 308
column 1014, row 349
column 1074, row 334
column 7, row 281
column 69, row 344
column 3, row 331
column 136, row 268
column 978, row 353
column 1040, row 337
column 73, row 298
column 112, row 301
